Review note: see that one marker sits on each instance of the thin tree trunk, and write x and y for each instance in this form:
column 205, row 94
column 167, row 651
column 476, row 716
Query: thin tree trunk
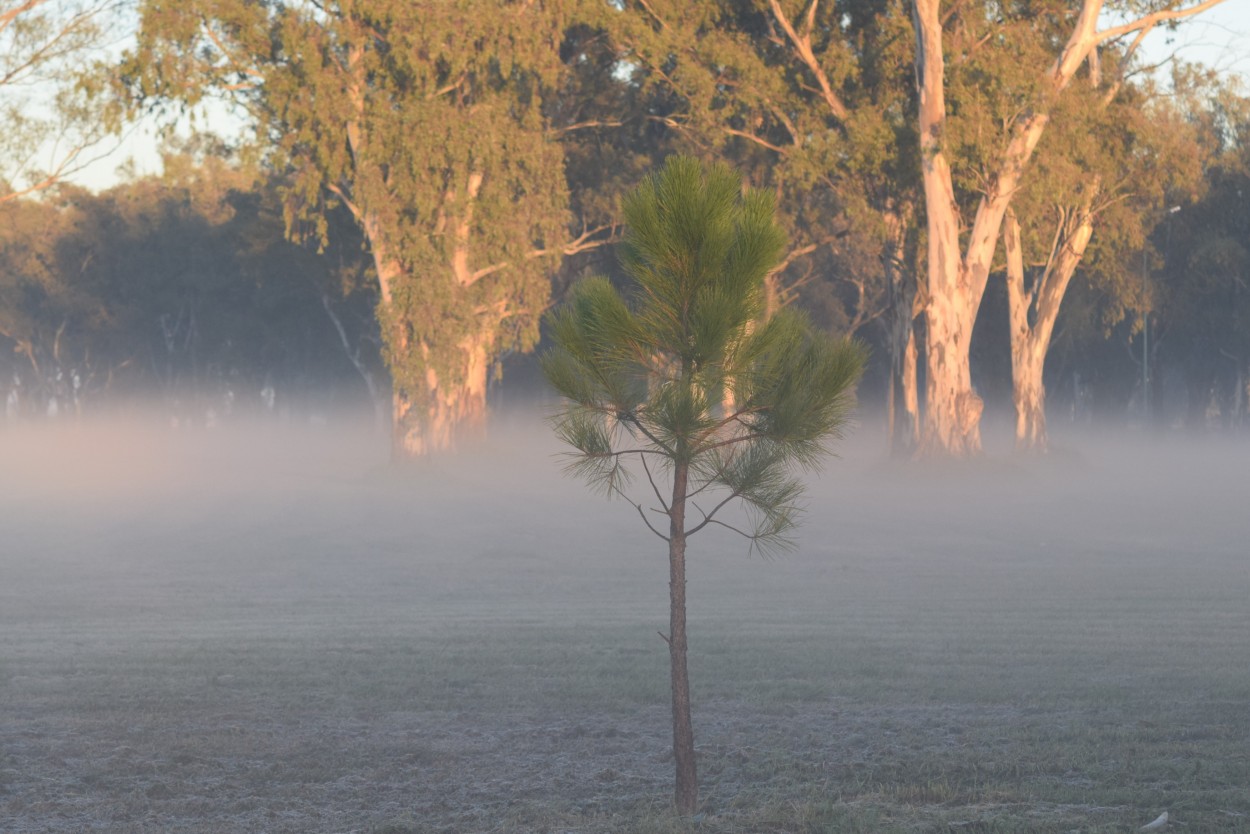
column 902, row 401
column 910, row 389
column 686, row 796
column 1028, row 392
column 353, row 355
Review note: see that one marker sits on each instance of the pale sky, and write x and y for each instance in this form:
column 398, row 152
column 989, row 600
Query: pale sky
column 1219, row 38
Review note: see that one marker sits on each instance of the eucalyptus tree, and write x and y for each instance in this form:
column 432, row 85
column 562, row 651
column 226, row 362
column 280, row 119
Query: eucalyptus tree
column 644, row 376
column 430, row 123
column 959, row 263
column 812, row 100
column 1101, row 176
column 55, row 118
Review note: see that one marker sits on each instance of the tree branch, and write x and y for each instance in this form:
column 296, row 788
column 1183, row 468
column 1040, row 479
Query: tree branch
column 803, row 45
column 654, row 488
column 1153, row 19
column 641, row 514
column 560, row 131
column 230, row 58
column 633, row 420
column 708, row 518
column 757, row 140
column 581, row 243
column 342, row 195
column 647, row 8
column 442, row 91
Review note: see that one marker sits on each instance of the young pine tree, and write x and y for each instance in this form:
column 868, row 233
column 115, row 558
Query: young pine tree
column 684, row 382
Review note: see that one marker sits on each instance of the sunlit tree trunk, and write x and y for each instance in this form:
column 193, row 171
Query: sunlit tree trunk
column 952, row 300
column 1033, row 310
column 447, row 408
column 432, row 403
column 957, row 275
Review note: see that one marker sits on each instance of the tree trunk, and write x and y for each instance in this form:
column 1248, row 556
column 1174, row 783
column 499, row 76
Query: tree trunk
column 444, row 410
column 902, row 400
column 957, row 277
column 952, row 409
column 353, row 355
column 1028, row 394
column 686, row 795
column 1030, row 340
column 910, row 391
column 432, row 410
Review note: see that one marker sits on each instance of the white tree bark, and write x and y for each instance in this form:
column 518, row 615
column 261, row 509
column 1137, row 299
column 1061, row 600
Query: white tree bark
column 957, row 274
column 1033, row 310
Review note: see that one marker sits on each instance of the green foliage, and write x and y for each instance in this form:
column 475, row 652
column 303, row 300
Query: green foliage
column 431, row 122
column 730, row 85
column 52, row 83
column 680, row 375
column 1113, row 145
column 184, row 285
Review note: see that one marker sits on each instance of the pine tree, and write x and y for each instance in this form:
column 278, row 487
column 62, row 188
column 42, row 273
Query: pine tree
column 645, row 378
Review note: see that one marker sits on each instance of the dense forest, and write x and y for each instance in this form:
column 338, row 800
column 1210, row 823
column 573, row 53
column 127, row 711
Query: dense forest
column 1006, row 202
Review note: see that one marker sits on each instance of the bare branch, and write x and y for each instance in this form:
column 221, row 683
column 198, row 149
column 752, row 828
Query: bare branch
column 803, row 45
column 230, row 58
column 342, row 195
column 9, row 16
column 484, row 271
column 70, row 163
column 560, row 131
column 636, row 423
column 647, row 8
column 730, row 441
column 708, row 518
column 654, row 488
column 641, row 514
column 1153, row 19
column 46, row 51
column 757, row 140
column 582, row 243
column 442, row 91
column 799, row 252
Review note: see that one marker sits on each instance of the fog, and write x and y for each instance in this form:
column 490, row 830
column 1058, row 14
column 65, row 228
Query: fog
column 130, row 525
column 279, row 519
column 127, row 545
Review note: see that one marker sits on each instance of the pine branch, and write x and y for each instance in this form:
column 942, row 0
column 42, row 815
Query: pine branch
column 654, row 488
column 708, row 517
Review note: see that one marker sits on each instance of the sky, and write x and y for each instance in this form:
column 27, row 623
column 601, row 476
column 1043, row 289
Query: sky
column 1219, row 38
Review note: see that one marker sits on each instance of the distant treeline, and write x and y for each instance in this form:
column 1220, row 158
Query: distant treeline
column 186, row 287
column 1002, row 201
column 183, row 288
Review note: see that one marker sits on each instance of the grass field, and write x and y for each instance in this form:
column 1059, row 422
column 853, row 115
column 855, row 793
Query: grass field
column 274, row 631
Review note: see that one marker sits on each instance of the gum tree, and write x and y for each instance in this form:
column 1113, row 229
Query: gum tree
column 54, row 120
column 812, row 100
column 961, row 250
column 431, row 123
column 644, row 380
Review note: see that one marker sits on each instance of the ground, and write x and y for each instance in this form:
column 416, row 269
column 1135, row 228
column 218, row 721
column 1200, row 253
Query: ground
column 274, row 631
